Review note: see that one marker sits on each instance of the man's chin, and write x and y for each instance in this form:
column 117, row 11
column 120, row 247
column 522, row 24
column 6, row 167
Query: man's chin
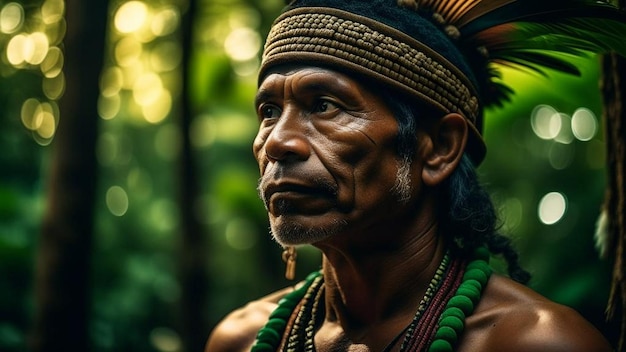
column 294, row 233
column 294, row 237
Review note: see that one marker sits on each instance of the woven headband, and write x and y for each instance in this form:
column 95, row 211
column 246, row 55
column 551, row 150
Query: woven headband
column 336, row 38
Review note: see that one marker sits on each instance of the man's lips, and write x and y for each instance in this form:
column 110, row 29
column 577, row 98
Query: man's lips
column 292, row 189
column 288, row 197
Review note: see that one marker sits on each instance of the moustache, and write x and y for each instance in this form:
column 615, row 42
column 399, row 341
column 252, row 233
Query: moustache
column 305, row 183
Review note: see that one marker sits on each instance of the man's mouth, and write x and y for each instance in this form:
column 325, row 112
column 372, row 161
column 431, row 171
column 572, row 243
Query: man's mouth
column 296, row 198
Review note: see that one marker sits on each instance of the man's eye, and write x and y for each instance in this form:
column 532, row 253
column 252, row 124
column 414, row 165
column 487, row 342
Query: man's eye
column 269, row 112
column 325, row 106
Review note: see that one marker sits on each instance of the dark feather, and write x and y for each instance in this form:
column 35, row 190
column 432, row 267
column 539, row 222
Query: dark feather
column 534, row 10
column 540, row 47
column 537, row 36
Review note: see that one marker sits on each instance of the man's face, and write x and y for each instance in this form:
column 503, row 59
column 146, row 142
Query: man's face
column 326, row 150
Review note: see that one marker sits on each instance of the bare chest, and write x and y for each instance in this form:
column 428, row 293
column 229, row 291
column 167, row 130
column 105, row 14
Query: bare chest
column 333, row 339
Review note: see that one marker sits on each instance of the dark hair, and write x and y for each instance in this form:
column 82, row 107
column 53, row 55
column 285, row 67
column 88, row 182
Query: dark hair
column 467, row 215
column 471, row 220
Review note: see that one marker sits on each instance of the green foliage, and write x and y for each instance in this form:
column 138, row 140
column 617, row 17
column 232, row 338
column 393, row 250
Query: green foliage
column 21, row 195
column 521, row 168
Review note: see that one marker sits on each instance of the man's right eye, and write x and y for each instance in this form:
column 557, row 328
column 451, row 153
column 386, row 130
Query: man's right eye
column 269, row 111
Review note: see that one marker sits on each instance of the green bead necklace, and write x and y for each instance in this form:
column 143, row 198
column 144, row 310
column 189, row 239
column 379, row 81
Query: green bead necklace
column 450, row 324
column 461, row 305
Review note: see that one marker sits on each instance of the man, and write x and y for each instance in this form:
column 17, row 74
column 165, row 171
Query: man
column 369, row 118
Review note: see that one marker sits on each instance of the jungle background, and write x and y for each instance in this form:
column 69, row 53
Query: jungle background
column 129, row 219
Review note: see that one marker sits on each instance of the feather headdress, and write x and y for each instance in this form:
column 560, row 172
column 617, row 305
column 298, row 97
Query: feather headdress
column 446, row 53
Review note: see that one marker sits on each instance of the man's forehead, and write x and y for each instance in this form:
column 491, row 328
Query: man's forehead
column 311, row 78
column 292, row 69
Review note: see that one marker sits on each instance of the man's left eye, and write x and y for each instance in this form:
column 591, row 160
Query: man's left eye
column 268, row 111
column 325, row 106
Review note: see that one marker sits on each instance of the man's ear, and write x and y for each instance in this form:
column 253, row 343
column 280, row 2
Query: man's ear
column 448, row 137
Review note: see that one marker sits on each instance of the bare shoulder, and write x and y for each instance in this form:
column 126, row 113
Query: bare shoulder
column 512, row 317
column 237, row 331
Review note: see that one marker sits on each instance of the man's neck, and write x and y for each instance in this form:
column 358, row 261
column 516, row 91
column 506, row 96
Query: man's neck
column 379, row 284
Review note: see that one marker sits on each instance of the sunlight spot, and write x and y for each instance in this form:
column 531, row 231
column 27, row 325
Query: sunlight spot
column 242, row 44
column 128, row 51
column 132, row 111
column 165, row 56
column 117, row 200
column 16, row 49
column 246, row 68
column 552, row 207
column 111, row 81
column 165, row 22
column 56, row 32
column 584, row 124
column 147, row 89
column 36, row 48
column 545, row 122
column 131, row 16
column 52, row 11
column 109, row 106
column 244, row 17
column 564, row 134
column 53, row 87
column 52, row 65
column 163, row 214
column 47, row 125
column 40, row 118
column 165, row 340
column 11, row 17
column 130, row 74
column 29, row 114
column 159, row 108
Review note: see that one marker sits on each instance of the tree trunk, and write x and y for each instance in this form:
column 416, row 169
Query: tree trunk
column 194, row 251
column 614, row 94
column 64, row 249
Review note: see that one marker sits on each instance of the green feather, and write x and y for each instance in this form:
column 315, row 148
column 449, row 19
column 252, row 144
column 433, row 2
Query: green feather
column 538, row 62
column 543, row 47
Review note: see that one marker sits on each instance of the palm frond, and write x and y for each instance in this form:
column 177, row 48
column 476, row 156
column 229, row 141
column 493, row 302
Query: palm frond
column 597, row 35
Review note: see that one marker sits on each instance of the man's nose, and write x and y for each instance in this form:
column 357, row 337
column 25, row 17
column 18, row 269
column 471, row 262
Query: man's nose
column 288, row 141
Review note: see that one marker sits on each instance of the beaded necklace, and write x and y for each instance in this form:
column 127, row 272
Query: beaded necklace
column 453, row 290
